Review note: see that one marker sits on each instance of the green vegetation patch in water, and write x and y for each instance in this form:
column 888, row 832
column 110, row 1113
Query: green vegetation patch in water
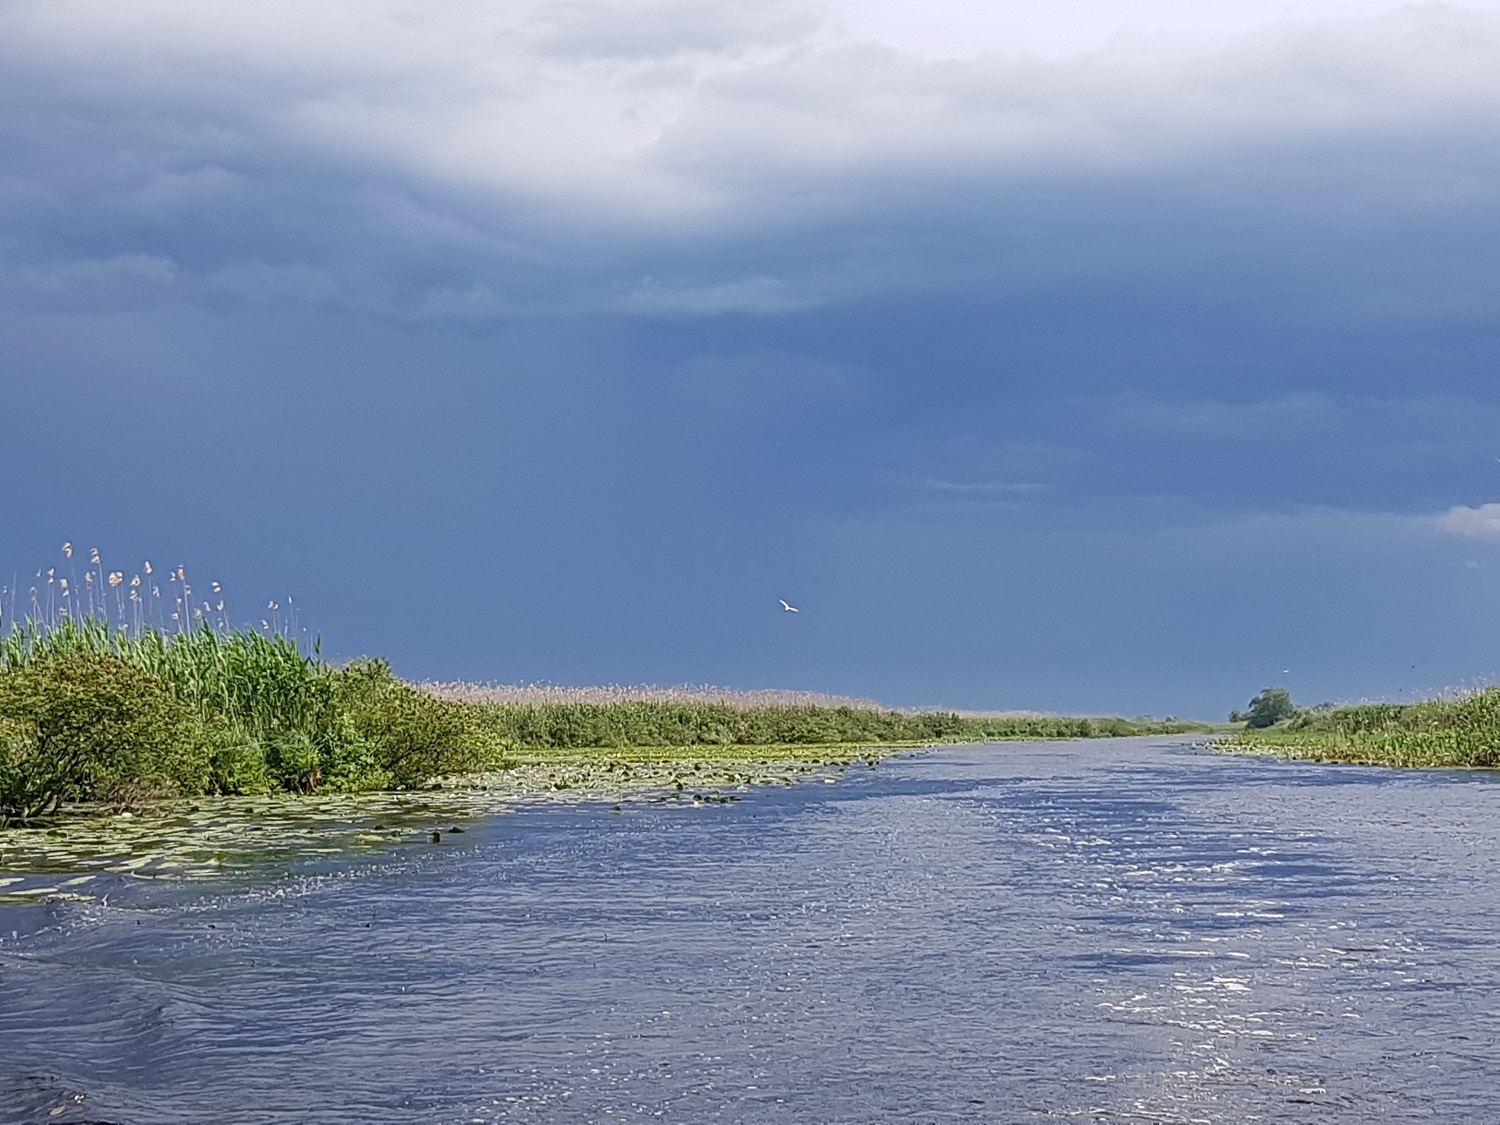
column 216, row 836
column 1461, row 733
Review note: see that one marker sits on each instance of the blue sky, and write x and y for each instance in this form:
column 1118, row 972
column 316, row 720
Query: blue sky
column 1094, row 357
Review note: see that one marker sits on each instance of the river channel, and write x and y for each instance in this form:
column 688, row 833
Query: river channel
column 1120, row 930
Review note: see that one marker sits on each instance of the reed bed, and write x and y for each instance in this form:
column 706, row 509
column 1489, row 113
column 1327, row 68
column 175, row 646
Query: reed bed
column 113, row 691
column 611, row 694
column 643, row 723
column 530, row 727
column 1456, row 732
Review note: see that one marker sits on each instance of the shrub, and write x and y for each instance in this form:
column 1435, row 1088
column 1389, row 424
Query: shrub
column 405, row 736
column 555, row 726
column 236, row 761
column 90, row 726
column 100, row 712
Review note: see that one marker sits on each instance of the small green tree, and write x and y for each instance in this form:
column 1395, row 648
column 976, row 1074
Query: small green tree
column 1271, row 706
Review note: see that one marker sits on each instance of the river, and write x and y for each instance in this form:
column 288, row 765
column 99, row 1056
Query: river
column 1128, row 929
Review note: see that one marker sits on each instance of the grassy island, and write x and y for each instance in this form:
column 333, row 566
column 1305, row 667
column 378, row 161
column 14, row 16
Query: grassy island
column 1462, row 733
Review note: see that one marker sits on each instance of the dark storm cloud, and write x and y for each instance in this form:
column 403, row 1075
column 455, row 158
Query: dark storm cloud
column 595, row 328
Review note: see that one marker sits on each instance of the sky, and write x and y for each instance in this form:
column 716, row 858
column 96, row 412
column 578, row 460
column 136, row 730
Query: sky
column 1112, row 357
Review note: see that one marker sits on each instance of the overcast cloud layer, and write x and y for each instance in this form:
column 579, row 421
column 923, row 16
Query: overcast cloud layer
column 1090, row 357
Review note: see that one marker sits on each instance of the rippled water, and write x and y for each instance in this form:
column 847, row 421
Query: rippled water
column 1122, row 930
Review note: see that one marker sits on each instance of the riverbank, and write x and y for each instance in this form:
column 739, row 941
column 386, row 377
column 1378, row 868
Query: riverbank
column 1462, row 733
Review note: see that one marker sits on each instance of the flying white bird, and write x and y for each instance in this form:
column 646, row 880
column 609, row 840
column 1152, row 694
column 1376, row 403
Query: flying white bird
column 788, row 607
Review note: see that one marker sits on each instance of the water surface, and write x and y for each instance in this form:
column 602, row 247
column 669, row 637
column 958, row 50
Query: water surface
column 1111, row 930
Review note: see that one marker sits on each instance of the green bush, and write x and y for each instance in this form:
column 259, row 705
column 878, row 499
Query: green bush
column 295, row 761
column 405, row 736
column 92, row 727
column 650, row 723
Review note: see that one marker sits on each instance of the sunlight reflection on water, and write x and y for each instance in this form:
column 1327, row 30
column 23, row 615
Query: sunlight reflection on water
column 1125, row 929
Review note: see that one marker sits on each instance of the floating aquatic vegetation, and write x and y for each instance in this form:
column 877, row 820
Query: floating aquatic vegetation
column 85, row 852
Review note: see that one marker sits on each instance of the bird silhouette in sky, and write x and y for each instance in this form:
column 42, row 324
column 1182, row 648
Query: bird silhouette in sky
column 788, row 606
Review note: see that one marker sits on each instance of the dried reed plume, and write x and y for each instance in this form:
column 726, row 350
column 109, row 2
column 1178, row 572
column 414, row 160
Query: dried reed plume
column 57, row 597
column 463, row 692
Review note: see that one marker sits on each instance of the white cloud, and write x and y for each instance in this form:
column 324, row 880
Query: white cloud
column 1066, row 28
column 535, row 152
column 663, row 28
column 873, row 113
column 660, row 110
column 1482, row 522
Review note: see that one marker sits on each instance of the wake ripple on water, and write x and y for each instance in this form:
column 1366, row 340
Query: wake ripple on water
column 1129, row 930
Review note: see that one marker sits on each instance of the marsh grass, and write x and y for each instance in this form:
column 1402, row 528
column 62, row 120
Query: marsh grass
column 647, row 723
column 1461, row 732
column 120, row 701
column 527, row 728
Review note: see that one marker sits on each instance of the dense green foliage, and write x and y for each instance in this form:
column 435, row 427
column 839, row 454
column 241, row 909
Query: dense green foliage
column 79, row 724
column 566, row 725
column 91, row 712
column 1063, row 726
column 531, row 726
column 1273, row 705
column 1439, row 732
